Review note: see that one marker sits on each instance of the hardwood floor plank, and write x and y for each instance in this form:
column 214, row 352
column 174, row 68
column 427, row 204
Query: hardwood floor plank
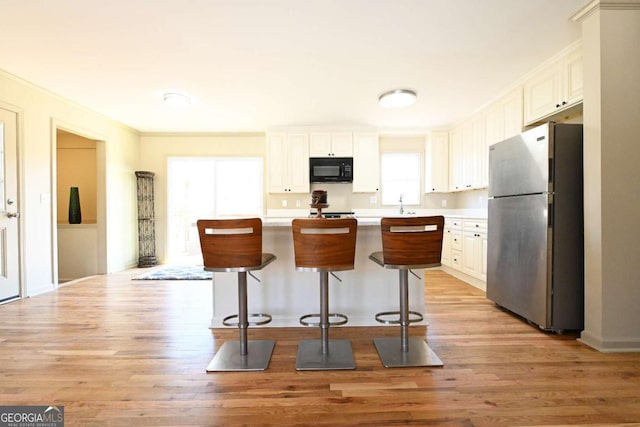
column 117, row 352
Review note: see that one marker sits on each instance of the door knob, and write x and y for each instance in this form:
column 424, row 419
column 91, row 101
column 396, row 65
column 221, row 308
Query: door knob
column 13, row 214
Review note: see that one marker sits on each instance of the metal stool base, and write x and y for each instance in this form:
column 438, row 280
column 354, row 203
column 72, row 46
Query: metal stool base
column 229, row 359
column 310, row 357
column 259, row 319
column 343, row 319
column 417, row 354
column 417, row 317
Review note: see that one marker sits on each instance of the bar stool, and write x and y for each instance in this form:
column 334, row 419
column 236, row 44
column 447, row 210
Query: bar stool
column 407, row 243
column 324, row 246
column 235, row 245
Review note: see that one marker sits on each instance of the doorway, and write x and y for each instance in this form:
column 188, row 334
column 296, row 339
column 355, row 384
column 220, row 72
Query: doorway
column 78, row 245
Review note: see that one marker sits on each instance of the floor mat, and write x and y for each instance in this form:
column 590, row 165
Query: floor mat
column 175, row 272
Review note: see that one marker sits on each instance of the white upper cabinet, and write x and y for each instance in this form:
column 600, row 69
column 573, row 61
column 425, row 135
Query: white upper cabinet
column 477, row 153
column 436, row 163
column 328, row 144
column 468, row 156
column 503, row 119
column 555, row 87
column 366, row 162
column 288, row 162
column 456, row 160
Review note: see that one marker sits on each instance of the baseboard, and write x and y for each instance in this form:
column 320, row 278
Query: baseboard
column 477, row 283
column 608, row 345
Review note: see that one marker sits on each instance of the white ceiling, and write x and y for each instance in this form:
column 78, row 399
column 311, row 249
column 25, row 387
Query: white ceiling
column 255, row 64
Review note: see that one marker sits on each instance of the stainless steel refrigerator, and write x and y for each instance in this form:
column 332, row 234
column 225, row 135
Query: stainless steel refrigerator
column 535, row 236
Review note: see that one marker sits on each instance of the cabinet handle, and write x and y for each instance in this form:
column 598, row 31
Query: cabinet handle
column 557, row 105
column 564, row 102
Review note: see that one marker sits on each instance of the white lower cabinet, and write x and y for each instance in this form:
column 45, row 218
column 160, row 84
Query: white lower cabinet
column 451, row 241
column 474, row 247
column 464, row 246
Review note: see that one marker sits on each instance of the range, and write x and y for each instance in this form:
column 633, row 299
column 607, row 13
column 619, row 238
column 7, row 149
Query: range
column 333, row 214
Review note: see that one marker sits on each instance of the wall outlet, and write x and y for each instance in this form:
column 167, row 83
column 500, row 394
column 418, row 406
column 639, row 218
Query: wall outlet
column 444, row 203
column 373, row 200
column 297, row 203
column 284, row 203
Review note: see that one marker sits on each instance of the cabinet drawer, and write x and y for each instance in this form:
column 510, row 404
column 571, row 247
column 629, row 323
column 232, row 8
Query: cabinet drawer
column 456, row 239
column 478, row 225
column 456, row 259
column 453, row 223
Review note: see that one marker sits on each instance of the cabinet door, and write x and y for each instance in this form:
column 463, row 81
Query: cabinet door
column 475, row 156
column 572, row 74
column 446, row 247
column 366, row 163
column 319, row 144
column 483, row 257
column 436, row 167
column 327, row 144
column 494, row 124
column 512, row 110
column 456, row 259
column 469, row 249
column 479, row 154
column 542, row 93
column 503, row 119
column 456, row 160
column 277, row 162
column 342, row 144
column 298, row 162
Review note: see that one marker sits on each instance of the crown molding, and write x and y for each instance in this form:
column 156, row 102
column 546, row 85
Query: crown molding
column 596, row 5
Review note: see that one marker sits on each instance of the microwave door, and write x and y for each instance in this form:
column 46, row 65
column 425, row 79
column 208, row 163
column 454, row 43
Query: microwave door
column 326, row 171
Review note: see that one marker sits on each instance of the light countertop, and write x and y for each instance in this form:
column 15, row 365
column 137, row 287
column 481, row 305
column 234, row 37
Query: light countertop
column 370, row 217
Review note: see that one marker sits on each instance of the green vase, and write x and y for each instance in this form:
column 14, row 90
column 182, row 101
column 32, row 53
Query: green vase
column 75, row 216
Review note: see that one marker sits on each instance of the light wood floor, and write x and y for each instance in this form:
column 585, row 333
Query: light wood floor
column 119, row 352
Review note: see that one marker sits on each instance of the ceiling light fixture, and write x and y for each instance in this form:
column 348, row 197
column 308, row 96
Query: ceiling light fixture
column 176, row 99
column 397, row 98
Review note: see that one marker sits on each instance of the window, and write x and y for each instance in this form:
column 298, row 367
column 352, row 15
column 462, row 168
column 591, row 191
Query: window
column 208, row 187
column 400, row 177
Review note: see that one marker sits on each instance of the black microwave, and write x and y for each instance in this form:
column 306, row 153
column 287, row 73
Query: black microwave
column 331, row 169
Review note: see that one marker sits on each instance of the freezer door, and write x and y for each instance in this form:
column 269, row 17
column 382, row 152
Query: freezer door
column 520, row 165
column 518, row 258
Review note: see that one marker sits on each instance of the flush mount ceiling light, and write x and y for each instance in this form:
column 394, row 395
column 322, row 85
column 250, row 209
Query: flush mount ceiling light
column 176, row 99
column 397, row 98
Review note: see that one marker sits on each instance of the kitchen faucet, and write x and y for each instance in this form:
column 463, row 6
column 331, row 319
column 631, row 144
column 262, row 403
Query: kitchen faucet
column 401, row 207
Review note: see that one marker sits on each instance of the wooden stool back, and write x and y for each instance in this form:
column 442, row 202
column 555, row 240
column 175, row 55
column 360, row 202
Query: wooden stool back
column 412, row 241
column 324, row 244
column 231, row 243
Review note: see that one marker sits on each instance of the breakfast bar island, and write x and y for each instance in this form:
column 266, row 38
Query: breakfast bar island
column 287, row 294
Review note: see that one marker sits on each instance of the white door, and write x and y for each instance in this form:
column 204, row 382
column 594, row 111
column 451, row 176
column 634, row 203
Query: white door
column 9, row 264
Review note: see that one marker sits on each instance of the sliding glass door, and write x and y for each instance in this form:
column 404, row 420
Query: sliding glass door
column 208, row 187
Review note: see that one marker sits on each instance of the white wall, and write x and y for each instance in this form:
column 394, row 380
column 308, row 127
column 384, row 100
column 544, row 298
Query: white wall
column 612, row 156
column 39, row 112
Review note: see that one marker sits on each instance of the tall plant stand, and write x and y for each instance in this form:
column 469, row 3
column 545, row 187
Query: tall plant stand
column 146, row 220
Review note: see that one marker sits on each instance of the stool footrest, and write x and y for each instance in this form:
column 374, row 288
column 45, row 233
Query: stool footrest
column 343, row 319
column 266, row 319
column 417, row 317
